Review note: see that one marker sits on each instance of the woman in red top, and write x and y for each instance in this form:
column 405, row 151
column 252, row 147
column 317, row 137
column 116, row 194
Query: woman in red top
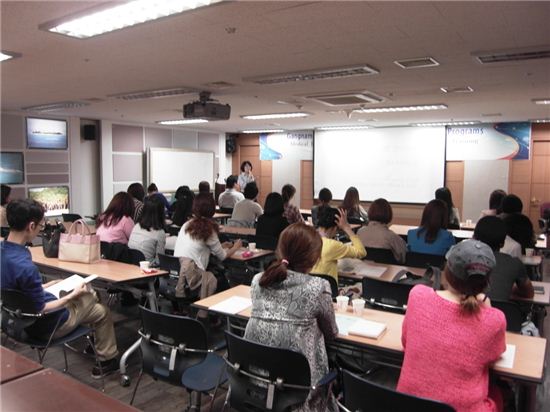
column 451, row 337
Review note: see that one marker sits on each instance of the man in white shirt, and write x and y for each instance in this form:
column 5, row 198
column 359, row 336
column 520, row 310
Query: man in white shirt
column 229, row 198
column 246, row 211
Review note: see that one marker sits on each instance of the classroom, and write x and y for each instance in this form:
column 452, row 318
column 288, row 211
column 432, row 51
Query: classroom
column 394, row 98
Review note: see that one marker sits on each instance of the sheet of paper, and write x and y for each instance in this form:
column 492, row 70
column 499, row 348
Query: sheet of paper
column 233, row 305
column 507, row 358
column 344, row 323
column 66, row 285
column 367, row 328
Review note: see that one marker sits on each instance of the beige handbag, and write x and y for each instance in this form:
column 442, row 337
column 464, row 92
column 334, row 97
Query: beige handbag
column 79, row 244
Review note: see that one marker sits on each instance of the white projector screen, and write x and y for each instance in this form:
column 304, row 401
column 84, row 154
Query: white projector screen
column 172, row 168
column 400, row 164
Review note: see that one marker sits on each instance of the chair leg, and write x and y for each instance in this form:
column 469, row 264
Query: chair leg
column 66, row 369
column 135, row 389
column 226, row 402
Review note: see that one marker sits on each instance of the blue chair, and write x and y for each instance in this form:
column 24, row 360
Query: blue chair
column 174, row 349
column 19, row 313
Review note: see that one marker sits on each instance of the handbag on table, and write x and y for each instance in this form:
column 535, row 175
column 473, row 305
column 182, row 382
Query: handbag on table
column 50, row 239
column 79, row 244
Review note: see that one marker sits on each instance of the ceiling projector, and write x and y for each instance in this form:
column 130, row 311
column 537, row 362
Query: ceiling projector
column 206, row 108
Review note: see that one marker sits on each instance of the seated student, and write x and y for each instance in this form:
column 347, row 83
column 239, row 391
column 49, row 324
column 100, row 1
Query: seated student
column 197, row 239
column 431, row 237
column 511, row 204
column 509, row 275
column 247, row 210
column 115, row 224
column 183, row 206
column 271, row 223
column 495, row 203
column 325, row 196
column 204, row 187
column 353, row 207
column 229, row 198
column 330, row 220
column 153, row 191
column 377, row 234
column 444, row 194
column 292, row 213
column 137, row 191
column 451, row 337
column 148, row 235
column 81, row 306
column 6, row 191
column 293, row 310
column 520, row 228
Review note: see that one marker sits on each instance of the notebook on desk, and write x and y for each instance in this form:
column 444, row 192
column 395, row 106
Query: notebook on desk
column 350, row 325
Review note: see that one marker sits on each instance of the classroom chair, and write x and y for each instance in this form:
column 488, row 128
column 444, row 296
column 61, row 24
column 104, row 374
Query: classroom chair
column 332, row 282
column 174, row 349
column 385, row 295
column 363, row 395
column 167, row 284
column 380, row 255
column 512, row 312
column 19, row 312
column 265, row 378
column 424, row 260
column 226, row 210
column 70, row 217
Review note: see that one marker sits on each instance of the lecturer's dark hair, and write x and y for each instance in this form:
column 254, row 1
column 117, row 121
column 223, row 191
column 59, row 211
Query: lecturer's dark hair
column 299, row 248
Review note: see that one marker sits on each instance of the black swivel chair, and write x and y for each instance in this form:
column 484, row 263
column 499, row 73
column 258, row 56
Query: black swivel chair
column 512, row 312
column 264, row 378
column 424, row 260
column 384, row 295
column 19, row 313
column 174, row 349
column 362, row 395
column 167, row 284
column 332, row 282
column 70, row 217
column 380, row 255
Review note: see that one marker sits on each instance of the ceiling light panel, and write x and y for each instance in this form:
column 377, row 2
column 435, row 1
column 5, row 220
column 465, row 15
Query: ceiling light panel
column 94, row 22
column 263, row 131
column 346, row 98
column 52, row 107
column 7, row 55
column 417, row 63
column 343, row 127
column 501, row 56
column 320, row 74
column 182, row 122
column 154, row 94
column 539, row 120
column 450, row 123
column 546, row 100
column 463, row 89
column 275, row 116
column 394, row 109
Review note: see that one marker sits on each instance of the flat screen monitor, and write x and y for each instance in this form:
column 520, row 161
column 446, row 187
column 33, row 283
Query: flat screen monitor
column 55, row 199
column 46, row 134
column 12, row 170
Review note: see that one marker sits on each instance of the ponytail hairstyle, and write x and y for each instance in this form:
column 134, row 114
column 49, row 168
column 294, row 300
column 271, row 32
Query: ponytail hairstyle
column 469, row 289
column 299, row 248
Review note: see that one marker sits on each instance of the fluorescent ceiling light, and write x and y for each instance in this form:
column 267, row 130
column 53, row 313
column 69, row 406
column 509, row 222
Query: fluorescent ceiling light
column 417, row 63
column 539, row 120
column 546, row 100
column 463, row 89
column 6, row 55
column 51, row 107
column 318, row 74
column 421, row 107
column 275, row 116
column 344, row 127
column 263, row 131
column 178, row 122
column 154, row 94
column 461, row 123
column 96, row 21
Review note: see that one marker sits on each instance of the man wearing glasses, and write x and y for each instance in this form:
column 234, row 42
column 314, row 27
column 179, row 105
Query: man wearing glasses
column 81, row 306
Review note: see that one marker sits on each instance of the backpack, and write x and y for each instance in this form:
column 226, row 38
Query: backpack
column 431, row 278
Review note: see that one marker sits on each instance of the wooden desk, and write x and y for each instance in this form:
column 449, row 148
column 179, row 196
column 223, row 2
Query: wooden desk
column 49, row 390
column 221, row 216
column 305, row 212
column 15, row 366
column 466, row 226
column 402, row 231
column 241, row 231
column 537, row 299
column 528, row 362
column 258, row 254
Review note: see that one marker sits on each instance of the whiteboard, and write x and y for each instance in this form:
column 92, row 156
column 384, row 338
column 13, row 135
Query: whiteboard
column 172, row 168
column 400, row 164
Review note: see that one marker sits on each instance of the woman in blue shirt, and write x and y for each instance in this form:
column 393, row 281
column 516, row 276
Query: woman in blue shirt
column 431, row 237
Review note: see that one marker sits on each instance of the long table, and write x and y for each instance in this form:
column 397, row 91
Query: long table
column 15, row 366
column 49, row 390
column 527, row 370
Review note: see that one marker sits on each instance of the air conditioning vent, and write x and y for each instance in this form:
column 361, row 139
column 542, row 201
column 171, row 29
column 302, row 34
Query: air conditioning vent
column 417, row 63
column 346, row 98
column 219, row 85
column 500, row 56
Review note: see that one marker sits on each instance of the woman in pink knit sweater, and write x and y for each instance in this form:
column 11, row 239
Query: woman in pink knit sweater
column 451, row 337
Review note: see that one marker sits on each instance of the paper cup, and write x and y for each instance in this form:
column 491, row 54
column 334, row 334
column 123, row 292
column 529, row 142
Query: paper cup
column 358, row 306
column 342, row 303
column 529, row 252
column 468, row 222
column 252, row 246
column 144, row 265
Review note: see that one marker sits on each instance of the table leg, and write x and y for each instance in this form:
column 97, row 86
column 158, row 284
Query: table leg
column 152, row 296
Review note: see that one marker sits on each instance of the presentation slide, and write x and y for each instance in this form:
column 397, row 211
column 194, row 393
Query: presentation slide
column 400, row 164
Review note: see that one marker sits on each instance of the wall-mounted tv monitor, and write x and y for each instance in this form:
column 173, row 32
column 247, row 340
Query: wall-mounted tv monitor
column 12, row 170
column 46, row 134
column 55, row 199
